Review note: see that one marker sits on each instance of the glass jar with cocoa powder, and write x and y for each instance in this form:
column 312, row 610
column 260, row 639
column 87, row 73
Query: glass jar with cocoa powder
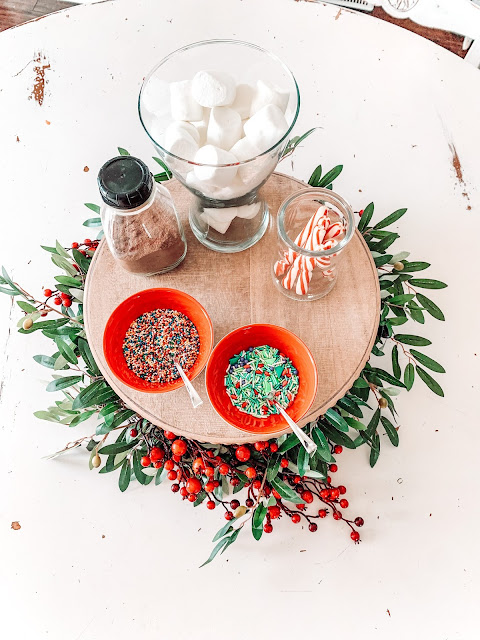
column 139, row 219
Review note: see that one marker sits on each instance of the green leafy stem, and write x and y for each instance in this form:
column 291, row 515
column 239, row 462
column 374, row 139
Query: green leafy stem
column 284, row 470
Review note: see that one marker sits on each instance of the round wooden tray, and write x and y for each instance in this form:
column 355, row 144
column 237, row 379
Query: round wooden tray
column 237, row 289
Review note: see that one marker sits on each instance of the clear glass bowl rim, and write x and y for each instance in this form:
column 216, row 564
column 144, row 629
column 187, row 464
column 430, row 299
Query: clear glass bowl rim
column 209, row 42
column 329, row 196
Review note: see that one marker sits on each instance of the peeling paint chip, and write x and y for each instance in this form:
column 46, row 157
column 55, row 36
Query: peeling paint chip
column 38, row 92
column 16, row 525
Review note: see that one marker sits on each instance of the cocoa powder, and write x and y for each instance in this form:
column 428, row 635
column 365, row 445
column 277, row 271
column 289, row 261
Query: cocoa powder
column 145, row 242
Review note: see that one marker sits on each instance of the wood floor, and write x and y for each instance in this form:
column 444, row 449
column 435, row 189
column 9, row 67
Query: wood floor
column 14, row 12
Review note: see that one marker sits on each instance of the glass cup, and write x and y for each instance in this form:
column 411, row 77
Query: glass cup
column 226, row 212
column 314, row 226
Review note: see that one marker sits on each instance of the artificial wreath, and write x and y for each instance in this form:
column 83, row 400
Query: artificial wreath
column 279, row 478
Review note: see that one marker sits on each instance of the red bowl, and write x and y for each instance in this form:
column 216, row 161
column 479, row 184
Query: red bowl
column 254, row 335
column 142, row 302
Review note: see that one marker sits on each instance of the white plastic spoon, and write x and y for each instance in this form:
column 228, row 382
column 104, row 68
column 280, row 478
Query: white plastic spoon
column 305, row 440
column 194, row 397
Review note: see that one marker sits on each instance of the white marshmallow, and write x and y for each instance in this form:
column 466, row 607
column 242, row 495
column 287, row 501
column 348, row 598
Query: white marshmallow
column 244, row 150
column 243, row 100
column 202, row 125
column 204, row 188
column 224, row 127
column 267, row 93
column 219, row 219
column 175, row 129
column 182, row 104
column 248, row 211
column 266, row 127
column 214, row 175
column 213, row 89
column 156, row 95
column 179, row 142
column 235, row 189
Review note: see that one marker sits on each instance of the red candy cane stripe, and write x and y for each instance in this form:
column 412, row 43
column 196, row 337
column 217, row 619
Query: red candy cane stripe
column 333, row 231
column 303, row 282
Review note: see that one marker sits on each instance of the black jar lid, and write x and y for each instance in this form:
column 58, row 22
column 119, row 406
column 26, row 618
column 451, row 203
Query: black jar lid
column 125, row 182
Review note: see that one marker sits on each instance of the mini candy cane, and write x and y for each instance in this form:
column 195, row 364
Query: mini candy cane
column 333, row 231
column 280, row 267
column 329, row 274
column 289, row 280
column 305, row 233
column 303, row 281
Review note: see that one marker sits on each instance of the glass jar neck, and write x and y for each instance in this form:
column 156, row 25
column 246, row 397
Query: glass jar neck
column 132, row 212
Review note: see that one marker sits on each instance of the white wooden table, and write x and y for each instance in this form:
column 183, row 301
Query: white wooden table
column 89, row 562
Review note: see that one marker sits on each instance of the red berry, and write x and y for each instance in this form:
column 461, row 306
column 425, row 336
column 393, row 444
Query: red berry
column 133, row 433
column 197, row 465
column 209, row 471
column 333, row 468
column 296, row 479
column 145, row 461
column 300, row 507
column 209, row 454
column 329, row 480
column 223, row 469
column 274, row 447
column 307, row 496
column 192, row 497
column 58, row 301
column 172, row 475
column 157, row 454
column 234, row 482
column 234, row 504
column 228, row 515
column 169, row 435
column 216, row 483
column 260, row 446
column 75, row 266
column 284, row 463
column 210, row 504
column 338, row 449
column 344, row 503
column 179, row 447
column 209, row 487
column 249, row 503
column 325, row 494
column 74, row 245
column 342, row 489
column 67, row 303
column 45, row 313
column 337, row 515
column 359, row 522
column 312, row 527
column 158, row 464
column 82, row 252
column 296, row 518
column 322, row 513
column 251, row 473
column 87, row 241
column 266, row 490
column 183, row 492
column 274, row 512
column 242, row 453
column 276, row 494
column 256, row 484
column 176, row 458
column 169, row 465
column 175, row 488
column 47, row 292
column 360, row 213
column 334, row 494
column 355, row 536
column 64, row 296
column 268, row 528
